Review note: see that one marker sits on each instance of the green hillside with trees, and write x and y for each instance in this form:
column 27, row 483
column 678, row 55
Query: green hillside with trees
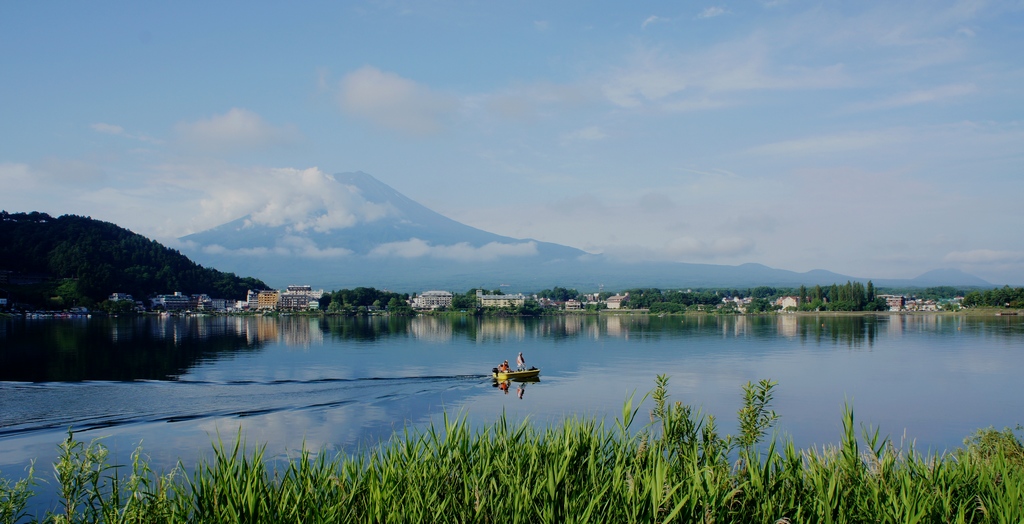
column 77, row 261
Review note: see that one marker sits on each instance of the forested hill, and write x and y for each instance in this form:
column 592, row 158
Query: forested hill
column 86, row 260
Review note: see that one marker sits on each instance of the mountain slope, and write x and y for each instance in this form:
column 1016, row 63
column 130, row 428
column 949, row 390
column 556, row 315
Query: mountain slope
column 100, row 258
column 365, row 233
column 404, row 220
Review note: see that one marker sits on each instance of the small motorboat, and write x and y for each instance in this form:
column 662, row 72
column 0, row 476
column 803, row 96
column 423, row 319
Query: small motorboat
column 531, row 373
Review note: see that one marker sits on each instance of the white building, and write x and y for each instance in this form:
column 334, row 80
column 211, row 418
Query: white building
column 615, row 301
column 785, row 302
column 176, row 302
column 895, row 302
column 433, row 300
column 500, row 300
column 299, row 298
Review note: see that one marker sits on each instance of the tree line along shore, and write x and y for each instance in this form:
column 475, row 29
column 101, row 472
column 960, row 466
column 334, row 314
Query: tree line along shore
column 67, row 262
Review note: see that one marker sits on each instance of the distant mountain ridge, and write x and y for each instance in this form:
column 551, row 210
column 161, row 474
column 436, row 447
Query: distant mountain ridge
column 410, row 220
column 412, row 248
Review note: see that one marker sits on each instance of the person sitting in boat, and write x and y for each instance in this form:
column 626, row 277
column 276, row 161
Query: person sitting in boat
column 503, row 367
column 520, row 362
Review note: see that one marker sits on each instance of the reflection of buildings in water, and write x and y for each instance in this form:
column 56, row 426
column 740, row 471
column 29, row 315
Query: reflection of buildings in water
column 613, row 325
column 556, row 327
column 115, row 331
column 740, row 326
column 203, row 329
column 786, row 325
column 896, row 325
column 926, row 322
column 240, row 326
column 248, row 327
column 621, row 325
column 267, row 329
column 573, row 325
column 498, row 328
column 431, row 329
column 593, row 327
column 300, row 331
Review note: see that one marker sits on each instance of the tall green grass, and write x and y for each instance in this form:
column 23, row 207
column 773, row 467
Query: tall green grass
column 675, row 469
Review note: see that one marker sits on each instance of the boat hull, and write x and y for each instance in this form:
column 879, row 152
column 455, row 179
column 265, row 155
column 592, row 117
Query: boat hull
column 516, row 375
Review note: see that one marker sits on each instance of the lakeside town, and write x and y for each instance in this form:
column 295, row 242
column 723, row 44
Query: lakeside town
column 303, row 298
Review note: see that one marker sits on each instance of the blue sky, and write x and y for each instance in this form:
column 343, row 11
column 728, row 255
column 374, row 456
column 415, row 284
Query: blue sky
column 875, row 139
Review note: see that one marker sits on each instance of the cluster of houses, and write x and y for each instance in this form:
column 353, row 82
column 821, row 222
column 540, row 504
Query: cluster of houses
column 431, row 300
column 293, row 298
column 895, row 303
column 305, row 298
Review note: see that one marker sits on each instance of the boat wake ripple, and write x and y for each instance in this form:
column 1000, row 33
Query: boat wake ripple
column 86, row 406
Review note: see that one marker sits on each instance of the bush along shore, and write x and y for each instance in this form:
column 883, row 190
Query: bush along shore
column 676, row 469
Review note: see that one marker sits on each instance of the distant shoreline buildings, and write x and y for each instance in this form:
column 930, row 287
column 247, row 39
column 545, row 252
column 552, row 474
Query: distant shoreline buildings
column 295, row 298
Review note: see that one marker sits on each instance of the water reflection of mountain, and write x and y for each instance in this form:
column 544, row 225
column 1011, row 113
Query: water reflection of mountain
column 118, row 349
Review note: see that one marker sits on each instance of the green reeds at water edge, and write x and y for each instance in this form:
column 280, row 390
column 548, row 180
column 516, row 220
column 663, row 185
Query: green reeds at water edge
column 676, row 469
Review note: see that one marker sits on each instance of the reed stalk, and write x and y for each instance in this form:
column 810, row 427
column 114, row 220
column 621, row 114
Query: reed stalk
column 675, row 469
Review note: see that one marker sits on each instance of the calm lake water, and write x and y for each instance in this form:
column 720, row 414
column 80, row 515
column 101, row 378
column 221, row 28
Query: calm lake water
column 176, row 384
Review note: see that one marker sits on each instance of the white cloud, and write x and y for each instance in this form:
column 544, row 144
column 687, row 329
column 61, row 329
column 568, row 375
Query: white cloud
column 15, row 175
column 922, row 96
column 718, row 247
column 824, row 145
column 965, row 31
column 390, row 101
column 680, row 81
column 217, row 249
column 711, row 12
column 307, row 248
column 930, row 150
column 116, row 130
column 652, row 20
column 587, row 134
column 237, row 130
column 985, row 256
column 683, row 249
column 109, row 129
column 529, row 103
column 303, row 200
column 463, row 252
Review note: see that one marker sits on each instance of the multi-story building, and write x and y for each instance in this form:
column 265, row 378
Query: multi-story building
column 615, row 301
column 787, row 302
column 500, row 300
column 251, row 299
column 202, row 302
column 433, row 300
column 895, row 302
column 299, row 298
column 266, row 300
column 573, row 305
column 176, row 302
